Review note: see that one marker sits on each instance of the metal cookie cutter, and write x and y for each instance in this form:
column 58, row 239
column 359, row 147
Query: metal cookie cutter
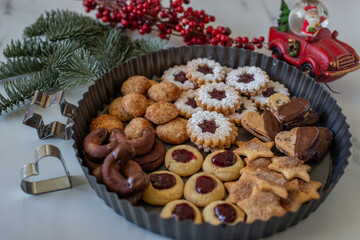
column 55, row 128
column 32, row 169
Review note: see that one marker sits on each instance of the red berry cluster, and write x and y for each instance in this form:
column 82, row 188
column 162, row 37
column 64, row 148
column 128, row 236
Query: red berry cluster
column 149, row 15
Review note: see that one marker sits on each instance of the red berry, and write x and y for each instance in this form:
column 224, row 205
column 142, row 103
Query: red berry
column 229, row 44
column 245, row 40
column 190, row 9
column 106, row 12
column 194, row 40
column 206, row 20
column 168, row 31
column 130, row 8
column 161, row 26
column 224, row 38
column 87, row 9
column 192, row 24
column 162, row 35
column 252, row 47
column 178, row 28
column 99, row 15
column 112, row 24
column 163, row 14
column 214, row 41
column 201, row 24
column 259, row 45
column 183, row 32
column 214, row 32
column 185, row 21
column 212, row 18
column 142, row 31
column 158, row 8
column 255, row 40
column 218, row 36
column 202, row 12
column 180, row 9
column 124, row 22
column 261, row 39
column 238, row 40
column 209, row 29
column 105, row 19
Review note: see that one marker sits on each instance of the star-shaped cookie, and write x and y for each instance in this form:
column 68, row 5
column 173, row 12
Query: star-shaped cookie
column 241, row 189
column 261, row 206
column 307, row 191
column 290, row 168
column 254, row 149
column 259, row 163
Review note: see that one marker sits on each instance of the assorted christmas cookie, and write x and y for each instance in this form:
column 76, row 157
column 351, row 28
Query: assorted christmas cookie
column 202, row 71
column 181, row 210
column 272, row 87
column 183, row 160
column 173, row 132
column 290, row 168
column 116, row 110
column 246, row 105
column 164, row 92
column 106, row 121
column 135, row 127
column 186, row 104
column 218, row 97
column 241, row 189
column 161, row 112
column 248, row 80
column 254, row 149
column 223, row 164
column 203, row 188
column 164, row 187
column 257, row 164
column 135, row 84
column 177, row 76
column 211, row 129
column 221, row 212
column 135, row 104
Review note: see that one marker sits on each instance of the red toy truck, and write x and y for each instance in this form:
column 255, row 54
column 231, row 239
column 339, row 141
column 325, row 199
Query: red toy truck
column 321, row 56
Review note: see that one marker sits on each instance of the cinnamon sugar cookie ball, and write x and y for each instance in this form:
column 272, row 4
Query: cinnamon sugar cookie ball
column 161, row 112
column 105, row 121
column 135, row 104
column 117, row 110
column 135, row 127
column 164, row 92
column 135, row 84
column 173, row 132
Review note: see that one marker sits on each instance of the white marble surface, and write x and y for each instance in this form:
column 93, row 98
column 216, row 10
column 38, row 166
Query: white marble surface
column 79, row 213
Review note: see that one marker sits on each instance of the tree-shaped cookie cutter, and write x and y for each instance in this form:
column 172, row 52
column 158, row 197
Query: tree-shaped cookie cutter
column 55, row 128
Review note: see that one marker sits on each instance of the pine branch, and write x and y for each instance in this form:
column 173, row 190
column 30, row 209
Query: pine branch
column 20, row 66
column 143, row 46
column 19, row 91
column 34, row 47
column 38, row 28
column 62, row 51
column 80, row 69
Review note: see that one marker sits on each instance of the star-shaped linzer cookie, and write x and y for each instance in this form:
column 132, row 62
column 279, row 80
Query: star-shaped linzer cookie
column 254, row 149
column 290, row 168
column 307, row 191
column 261, row 206
column 241, row 189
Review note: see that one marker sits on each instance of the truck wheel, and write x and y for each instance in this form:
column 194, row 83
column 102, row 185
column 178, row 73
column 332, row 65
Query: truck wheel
column 308, row 69
column 276, row 53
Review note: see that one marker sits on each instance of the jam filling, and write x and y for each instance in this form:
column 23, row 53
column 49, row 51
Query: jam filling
column 208, row 126
column 225, row 213
column 192, row 103
column 205, row 184
column 224, row 159
column 269, row 91
column 246, row 78
column 206, row 70
column 217, row 94
column 180, row 77
column 242, row 108
column 162, row 180
column 183, row 155
column 183, row 211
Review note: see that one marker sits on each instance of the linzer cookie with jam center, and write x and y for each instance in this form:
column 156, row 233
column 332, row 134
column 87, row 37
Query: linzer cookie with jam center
column 304, row 143
column 177, row 76
column 183, row 160
column 218, row 97
column 203, row 188
column 221, row 212
column 211, row 129
column 186, row 104
column 181, row 210
column 164, row 187
column 272, row 87
column 248, row 80
column 203, row 71
column 225, row 165
column 246, row 106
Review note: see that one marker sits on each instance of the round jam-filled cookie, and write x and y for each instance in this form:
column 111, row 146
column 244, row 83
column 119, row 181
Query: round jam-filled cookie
column 173, row 132
column 177, row 76
column 246, row 106
column 135, row 104
column 117, row 110
column 135, row 127
column 164, row 187
column 186, row 104
column 161, row 112
column 183, row 160
column 106, row 121
column 135, row 84
column 181, row 210
column 203, row 188
column 164, row 92
column 202, row 71
column 219, row 212
column 225, row 165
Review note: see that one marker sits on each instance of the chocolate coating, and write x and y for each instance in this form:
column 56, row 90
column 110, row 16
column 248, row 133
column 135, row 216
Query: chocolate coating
column 271, row 124
column 205, row 184
column 311, row 120
column 225, row 212
column 293, row 110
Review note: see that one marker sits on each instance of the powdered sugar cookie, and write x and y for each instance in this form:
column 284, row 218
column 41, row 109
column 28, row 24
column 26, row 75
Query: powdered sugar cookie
column 211, row 129
column 246, row 106
column 272, row 87
column 202, row 71
column 248, row 80
column 186, row 104
column 218, row 97
column 177, row 76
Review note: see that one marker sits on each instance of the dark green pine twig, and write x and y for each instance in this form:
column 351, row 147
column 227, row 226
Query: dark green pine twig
column 20, row 66
column 61, row 53
column 32, row 47
column 143, row 46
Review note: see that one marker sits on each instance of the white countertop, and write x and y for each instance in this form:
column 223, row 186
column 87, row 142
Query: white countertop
column 79, row 213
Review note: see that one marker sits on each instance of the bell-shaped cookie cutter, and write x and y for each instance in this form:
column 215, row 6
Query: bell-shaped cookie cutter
column 32, row 169
column 55, row 128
